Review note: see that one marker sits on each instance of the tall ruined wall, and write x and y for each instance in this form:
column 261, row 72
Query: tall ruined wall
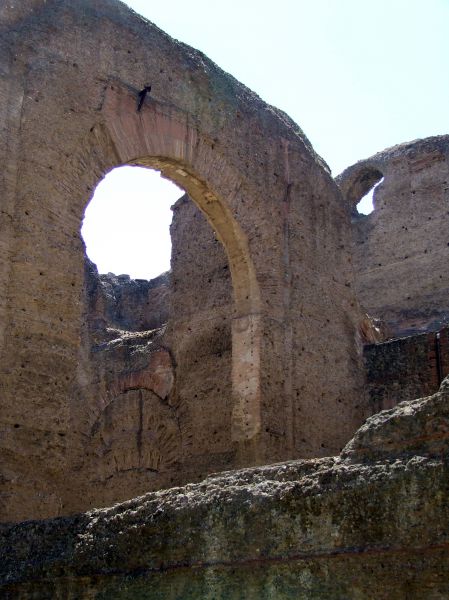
column 250, row 355
column 371, row 523
column 130, row 436
column 401, row 250
column 71, row 71
column 201, row 338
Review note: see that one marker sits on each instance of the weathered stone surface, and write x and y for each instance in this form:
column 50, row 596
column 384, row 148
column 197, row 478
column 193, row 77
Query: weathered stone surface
column 371, row 524
column 405, row 368
column 250, row 359
column 401, row 250
column 415, row 427
column 117, row 301
column 248, row 353
column 128, row 438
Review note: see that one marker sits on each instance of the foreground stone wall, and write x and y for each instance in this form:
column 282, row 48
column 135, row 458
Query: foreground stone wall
column 71, row 71
column 401, row 250
column 372, row 523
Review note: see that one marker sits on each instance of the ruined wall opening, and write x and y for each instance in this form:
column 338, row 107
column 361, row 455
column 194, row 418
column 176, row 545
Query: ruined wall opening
column 136, row 342
column 365, row 205
column 360, row 189
column 126, row 223
column 156, row 352
column 149, row 390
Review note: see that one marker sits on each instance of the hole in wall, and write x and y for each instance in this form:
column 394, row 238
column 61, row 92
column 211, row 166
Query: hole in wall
column 365, row 206
column 126, row 223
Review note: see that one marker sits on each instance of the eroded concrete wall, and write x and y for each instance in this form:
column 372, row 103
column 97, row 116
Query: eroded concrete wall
column 258, row 360
column 401, row 250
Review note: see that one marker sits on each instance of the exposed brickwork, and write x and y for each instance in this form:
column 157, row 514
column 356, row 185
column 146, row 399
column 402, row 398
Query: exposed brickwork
column 405, row 368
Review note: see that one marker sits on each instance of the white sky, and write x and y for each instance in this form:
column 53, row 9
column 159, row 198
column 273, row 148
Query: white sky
column 356, row 75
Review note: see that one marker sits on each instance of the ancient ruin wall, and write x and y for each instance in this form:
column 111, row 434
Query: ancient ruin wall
column 401, row 250
column 405, row 368
column 371, row 523
column 200, row 334
column 71, row 72
column 396, row 370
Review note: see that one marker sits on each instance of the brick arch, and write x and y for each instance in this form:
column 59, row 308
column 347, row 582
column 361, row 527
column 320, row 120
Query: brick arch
column 163, row 138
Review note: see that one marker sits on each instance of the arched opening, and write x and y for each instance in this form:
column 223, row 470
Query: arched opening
column 186, row 370
column 360, row 189
column 366, row 204
column 126, row 223
column 126, row 230
column 148, row 335
column 151, row 389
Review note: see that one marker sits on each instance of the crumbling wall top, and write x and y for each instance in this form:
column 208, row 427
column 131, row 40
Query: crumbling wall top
column 358, row 179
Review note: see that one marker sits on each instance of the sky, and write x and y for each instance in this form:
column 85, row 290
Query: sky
column 358, row 76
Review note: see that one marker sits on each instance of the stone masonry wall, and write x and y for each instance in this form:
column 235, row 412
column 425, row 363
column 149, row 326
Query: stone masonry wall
column 128, row 435
column 141, row 429
column 71, row 72
column 251, row 353
column 405, row 368
column 401, row 249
